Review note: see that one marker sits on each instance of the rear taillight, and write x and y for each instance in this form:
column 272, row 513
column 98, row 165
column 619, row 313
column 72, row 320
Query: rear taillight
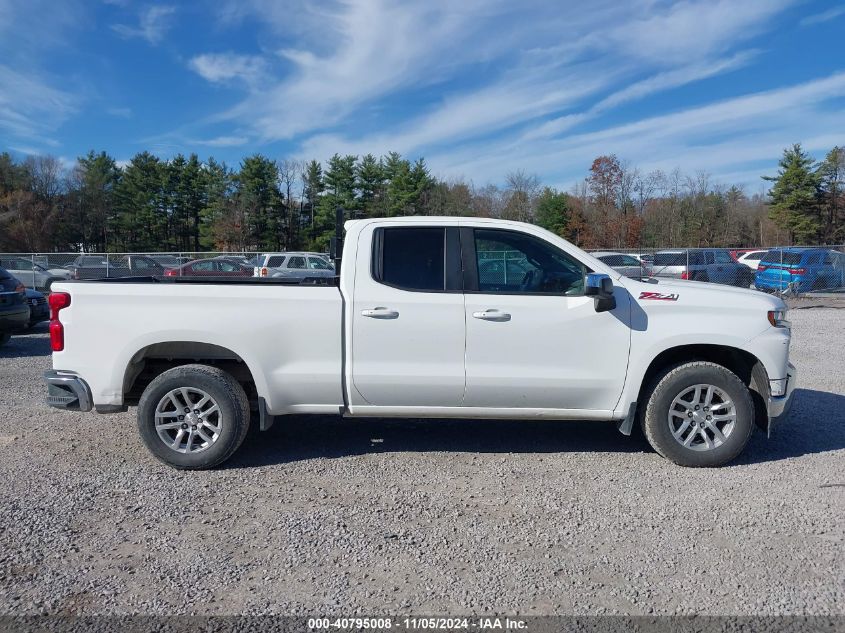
column 761, row 268
column 170, row 273
column 263, row 272
column 21, row 289
column 58, row 301
column 685, row 275
column 798, row 271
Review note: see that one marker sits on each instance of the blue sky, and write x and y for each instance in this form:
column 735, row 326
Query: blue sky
column 479, row 88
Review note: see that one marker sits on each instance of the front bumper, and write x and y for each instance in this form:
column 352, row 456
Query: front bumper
column 779, row 405
column 66, row 390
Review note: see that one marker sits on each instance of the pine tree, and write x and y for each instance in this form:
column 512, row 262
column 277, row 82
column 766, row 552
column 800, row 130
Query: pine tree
column 370, row 184
column 794, row 196
column 553, row 211
column 831, row 174
column 218, row 185
column 312, row 189
column 260, row 202
column 141, row 217
column 97, row 177
column 339, row 182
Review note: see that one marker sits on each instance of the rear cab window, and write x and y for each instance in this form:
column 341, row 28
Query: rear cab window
column 410, row 258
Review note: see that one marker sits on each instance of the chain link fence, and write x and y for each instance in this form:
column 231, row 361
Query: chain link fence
column 782, row 270
column 40, row 270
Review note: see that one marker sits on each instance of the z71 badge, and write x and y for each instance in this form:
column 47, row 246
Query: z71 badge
column 658, row 296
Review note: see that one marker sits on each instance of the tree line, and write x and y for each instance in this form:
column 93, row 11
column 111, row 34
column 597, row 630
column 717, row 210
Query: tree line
column 187, row 204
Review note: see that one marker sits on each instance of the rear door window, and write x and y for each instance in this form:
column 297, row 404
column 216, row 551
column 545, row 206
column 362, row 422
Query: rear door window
column 723, row 257
column 296, row 262
column 411, row 258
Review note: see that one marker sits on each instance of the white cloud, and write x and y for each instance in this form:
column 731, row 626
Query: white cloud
column 381, row 47
column 720, row 137
column 33, row 108
column 689, row 30
column 153, row 24
column 224, row 141
column 824, row 16
column 222, row 67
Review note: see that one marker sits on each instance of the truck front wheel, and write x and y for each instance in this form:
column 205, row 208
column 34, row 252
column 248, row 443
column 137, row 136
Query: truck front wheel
column 698, row 414
column 193, row 417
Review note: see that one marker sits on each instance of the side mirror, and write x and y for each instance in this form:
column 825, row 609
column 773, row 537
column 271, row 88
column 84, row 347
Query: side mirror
column 600, row 287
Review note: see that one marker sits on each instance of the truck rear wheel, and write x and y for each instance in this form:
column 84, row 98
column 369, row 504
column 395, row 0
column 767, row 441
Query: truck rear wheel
column 193, row 417
column 698, row 414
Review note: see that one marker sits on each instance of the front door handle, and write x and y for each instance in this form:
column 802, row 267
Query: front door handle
column 380, row 313
column 492, row 315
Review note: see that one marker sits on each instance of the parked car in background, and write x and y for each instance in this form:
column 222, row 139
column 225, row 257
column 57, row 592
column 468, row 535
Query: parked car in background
column 170, row 261
column 96, row 267
column 14, row 311
column 100, row 267
column 39, row 310
column 212, row 267
column 750, row 258
column 799, row 270
column 628, row 265
column 31, row 274
column 294, row 265
column 702, row 264
column 646, row 258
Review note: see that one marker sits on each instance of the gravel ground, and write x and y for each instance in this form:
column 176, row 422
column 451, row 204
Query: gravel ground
column 332, row 516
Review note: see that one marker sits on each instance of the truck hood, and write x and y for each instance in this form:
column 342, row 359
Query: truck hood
column 704, row 291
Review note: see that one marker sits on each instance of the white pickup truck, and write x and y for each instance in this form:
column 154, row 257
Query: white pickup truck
column 430, row 317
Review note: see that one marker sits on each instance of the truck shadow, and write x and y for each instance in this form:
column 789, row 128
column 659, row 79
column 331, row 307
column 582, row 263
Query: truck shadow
column 815, row 426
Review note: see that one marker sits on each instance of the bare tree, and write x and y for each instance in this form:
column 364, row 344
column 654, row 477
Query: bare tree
column 46, row 174
column 522, row 191
column 290, row 172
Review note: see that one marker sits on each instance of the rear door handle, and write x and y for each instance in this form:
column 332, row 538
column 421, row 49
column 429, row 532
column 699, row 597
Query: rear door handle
column 492, row 315
column 380, row 313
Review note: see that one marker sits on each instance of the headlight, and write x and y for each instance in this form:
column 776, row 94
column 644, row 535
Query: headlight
column 778, row 318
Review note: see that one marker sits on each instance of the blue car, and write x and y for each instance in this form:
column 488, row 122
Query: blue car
column 799, row 269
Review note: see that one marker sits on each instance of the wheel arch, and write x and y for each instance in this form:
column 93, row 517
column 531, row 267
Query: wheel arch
column 155, row 358
column 743, row 363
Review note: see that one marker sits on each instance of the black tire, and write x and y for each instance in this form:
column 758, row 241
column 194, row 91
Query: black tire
column 4, row 338
column 226, row 392
column 669, row 384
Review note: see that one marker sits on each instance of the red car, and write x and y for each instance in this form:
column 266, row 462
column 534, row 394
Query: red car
column 216, row 267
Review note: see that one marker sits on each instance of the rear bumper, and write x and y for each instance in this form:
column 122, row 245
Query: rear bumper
column 66, row 390
column 779, row 406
